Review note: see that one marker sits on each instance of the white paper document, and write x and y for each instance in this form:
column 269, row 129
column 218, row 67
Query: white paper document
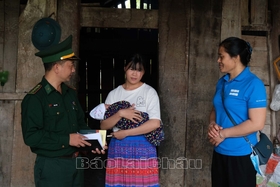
column 94, row 136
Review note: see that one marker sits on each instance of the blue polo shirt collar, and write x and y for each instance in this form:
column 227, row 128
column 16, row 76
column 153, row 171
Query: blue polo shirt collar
column 239, row 77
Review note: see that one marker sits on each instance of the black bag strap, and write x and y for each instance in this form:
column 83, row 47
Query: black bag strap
column 229, row 116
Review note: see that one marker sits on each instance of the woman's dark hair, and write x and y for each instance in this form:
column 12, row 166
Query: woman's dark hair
column 134, row 60
column 235, row 46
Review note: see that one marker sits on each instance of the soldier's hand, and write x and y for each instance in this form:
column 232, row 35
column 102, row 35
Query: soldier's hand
column 100, row 151
column 78, row 140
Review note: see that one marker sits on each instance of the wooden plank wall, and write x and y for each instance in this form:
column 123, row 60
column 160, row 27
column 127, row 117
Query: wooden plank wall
column 120, row 18
column 9, row 11
column 259, row 65
column 30, row 71
column 275, row 51
column 231, row 19
column 1, row 64
column 201, row 78
column 189, row 35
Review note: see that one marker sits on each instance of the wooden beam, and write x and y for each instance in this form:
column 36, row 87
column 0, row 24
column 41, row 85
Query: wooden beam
column 256, row 28
column 118, row 18
column 11, row 96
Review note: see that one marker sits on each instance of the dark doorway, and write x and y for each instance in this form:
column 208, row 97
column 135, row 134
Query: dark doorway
column 103, row 52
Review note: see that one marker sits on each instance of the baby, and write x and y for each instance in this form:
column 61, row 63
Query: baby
column 98, row 113
column 104, row 111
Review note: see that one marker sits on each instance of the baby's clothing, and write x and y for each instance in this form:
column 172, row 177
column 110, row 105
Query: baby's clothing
column 154, row 137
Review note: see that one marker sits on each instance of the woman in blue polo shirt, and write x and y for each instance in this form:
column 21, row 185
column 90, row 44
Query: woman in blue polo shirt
column 244, row 96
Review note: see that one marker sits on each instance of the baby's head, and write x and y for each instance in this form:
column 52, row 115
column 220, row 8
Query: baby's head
column 99, row 111
column 106, row 106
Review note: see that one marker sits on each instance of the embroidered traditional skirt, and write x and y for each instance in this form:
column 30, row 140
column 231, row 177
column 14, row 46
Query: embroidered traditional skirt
column 132, row 162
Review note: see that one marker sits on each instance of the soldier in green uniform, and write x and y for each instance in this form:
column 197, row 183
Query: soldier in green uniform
column 51, row 118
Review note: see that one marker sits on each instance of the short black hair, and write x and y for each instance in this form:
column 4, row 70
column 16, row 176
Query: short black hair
column 48, row 66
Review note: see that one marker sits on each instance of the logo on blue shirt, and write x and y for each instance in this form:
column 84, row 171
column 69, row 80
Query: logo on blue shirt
column 234, row 92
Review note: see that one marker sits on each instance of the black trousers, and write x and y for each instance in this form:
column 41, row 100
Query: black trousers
column 232, row 171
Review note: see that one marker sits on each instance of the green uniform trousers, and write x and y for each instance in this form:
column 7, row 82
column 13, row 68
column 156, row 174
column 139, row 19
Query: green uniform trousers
column 58, row 172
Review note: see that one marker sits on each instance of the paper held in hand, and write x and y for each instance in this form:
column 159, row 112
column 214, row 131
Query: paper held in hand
column 97, row 139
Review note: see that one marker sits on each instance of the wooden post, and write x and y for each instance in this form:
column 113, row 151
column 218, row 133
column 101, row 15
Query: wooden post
column 244, row 13
column 10, row 42
column 8, row 60
column 1, row 66
column 258, row 12
column 203, row 75
column 29, row 72
column 231, row 19
column 69, row 20
column 2, row 31
column 133, row 4
column 174, row 28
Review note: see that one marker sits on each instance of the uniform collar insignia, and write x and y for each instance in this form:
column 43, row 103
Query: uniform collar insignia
column 48, row 88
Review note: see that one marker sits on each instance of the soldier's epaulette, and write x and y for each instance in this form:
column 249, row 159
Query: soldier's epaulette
column 35, row 89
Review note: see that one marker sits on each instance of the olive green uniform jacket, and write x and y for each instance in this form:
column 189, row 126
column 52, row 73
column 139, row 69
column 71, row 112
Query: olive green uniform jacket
column 48, row 117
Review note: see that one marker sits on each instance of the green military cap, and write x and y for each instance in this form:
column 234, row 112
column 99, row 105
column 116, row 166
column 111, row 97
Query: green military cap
column 61, row 51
